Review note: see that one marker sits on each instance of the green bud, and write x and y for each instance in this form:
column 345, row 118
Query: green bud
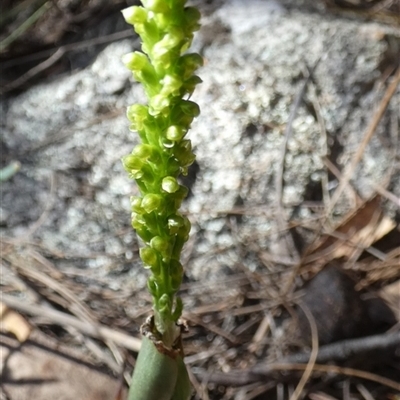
column 163, row 21
column 173, row 166
column 132, row 163
column 162, row 58
column 184, row 154
column 168, row 42
column 191, row 83
column 136, row 168
column 187, row 161
column 138, row 220
column 171, row 84
column 143, row 151
column 169, row 184
column 135, row 15
column 157, row 6
column 150, row 259
column 151, row 202
column 180, row 195
column 185, row 146
column 175, row 133
column 184, row 171
column 176, row 274
column 186, row 43
column 192, row 17
column 183, row 113
column 136, row 61
column 188, row 63
column 137, row 114
column 149, row 32
column 136, row 204
column 149, row 78
column 184, row 230
column 138, row 224
column 174, row 223
column 143, row 233
column 190, row 108
column 158, row 103
column 181, row 238
column 162, row 245
column 137, row 174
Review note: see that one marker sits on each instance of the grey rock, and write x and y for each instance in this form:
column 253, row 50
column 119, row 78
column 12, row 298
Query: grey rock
column 74, row 130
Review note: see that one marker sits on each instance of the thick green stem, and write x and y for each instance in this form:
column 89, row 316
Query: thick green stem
column 160, row 372
column 155, row 374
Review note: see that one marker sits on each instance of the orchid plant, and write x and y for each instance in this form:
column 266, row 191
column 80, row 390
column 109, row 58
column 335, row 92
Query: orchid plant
column 167, row 73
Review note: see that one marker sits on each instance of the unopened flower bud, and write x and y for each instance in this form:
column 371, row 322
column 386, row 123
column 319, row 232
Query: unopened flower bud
column 151, row 202
column 191, row 83
column 192, row 16
column 135, row 61
column 175, row 133
column 132, row 163
column 135, row 15
column 171, row 39
column 157, row 6
column 136, row 204
column 143, row 151
column 180, row 195
column 174, row 223
column 169, row 184
column 162, row 245
column 171, row 84
column 149, row 257
column 158, row 103
column 176, row 274
column 184, row 154
column 190, row 108
column 188, row 63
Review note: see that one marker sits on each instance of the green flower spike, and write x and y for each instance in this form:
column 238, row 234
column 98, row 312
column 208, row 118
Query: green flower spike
column 166, row 28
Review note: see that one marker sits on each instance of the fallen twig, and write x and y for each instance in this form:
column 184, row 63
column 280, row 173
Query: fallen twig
column 94, row 330
column 334, row 352
column 260, row 372
column 345, row 349
column 55, row 55
column 312, row 357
